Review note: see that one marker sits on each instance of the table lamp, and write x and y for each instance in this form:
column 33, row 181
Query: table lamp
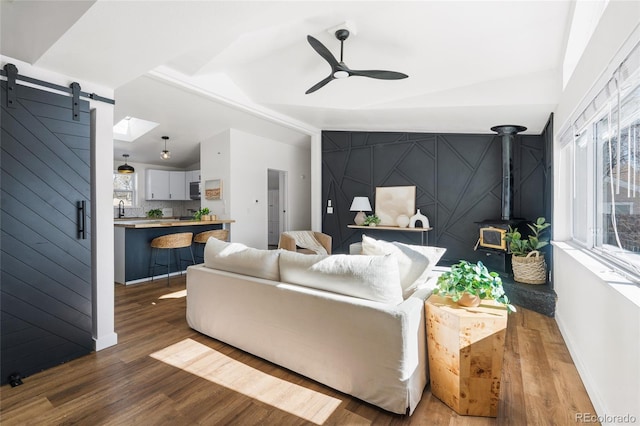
column 360, row 205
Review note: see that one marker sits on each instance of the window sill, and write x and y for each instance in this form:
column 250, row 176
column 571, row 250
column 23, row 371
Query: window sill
column 601, row 269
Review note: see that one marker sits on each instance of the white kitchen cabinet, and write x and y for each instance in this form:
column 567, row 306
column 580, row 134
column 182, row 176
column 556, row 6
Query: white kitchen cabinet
column 177, row 186
column 157, row 185
column 166, row 185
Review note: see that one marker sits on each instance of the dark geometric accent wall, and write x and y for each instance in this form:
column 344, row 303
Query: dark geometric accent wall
column 458, row 181
column 547, row 137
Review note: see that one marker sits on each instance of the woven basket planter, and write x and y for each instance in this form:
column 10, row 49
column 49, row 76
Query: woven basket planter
column 531, row 269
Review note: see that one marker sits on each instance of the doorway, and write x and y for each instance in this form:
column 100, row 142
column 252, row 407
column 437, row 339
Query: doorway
column 277, row 211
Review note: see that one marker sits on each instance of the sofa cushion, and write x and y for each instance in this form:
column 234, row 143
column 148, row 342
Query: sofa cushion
column 414, row 262
column 238, row 258
column 434, row 254
column 367, row 277
column 355, row 248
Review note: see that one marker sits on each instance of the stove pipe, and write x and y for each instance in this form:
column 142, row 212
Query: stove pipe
column 508, row 133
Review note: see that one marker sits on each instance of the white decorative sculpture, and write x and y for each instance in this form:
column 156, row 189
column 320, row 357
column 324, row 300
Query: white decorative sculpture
column 403, row 220
column 419, row 217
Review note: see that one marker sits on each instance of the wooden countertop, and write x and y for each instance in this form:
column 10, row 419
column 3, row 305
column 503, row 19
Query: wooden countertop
column 165, row 223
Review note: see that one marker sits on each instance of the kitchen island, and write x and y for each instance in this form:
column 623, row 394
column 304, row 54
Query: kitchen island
column 132, row 245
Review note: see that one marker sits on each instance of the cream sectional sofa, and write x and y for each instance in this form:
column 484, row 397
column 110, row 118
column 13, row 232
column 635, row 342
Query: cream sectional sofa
column 348, row 322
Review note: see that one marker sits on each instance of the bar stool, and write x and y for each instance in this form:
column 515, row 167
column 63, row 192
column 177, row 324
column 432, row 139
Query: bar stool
column 169, row 242
column 202, row 238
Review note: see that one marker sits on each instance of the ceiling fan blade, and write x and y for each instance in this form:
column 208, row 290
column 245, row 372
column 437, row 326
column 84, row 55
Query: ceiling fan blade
column 319, row 84
column 323, row 51
column 383, row 75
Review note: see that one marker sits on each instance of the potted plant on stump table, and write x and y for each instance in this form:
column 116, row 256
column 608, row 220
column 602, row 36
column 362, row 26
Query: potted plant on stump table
column 466, row 345
column 527, row 261
column 467, row 284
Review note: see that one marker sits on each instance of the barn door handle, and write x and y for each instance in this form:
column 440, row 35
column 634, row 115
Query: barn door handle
column 82, row 220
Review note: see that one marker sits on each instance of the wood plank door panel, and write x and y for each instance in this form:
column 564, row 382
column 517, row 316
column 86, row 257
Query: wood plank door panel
column 46, row 308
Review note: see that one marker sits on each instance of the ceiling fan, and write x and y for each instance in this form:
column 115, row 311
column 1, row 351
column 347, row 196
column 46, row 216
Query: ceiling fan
column 340, row 69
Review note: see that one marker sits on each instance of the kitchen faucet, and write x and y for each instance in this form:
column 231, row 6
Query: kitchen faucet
column 121, row 209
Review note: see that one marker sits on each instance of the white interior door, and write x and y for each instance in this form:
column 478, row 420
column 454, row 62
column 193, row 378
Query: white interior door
column 283, row 219
column 277, row 209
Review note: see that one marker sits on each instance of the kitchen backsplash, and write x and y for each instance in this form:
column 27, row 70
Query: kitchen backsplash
column 180, row 208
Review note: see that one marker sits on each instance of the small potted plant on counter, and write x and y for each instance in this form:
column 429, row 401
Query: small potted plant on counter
column 200, row 213
column 154, row 214
column 467, row 284
column 371, row 220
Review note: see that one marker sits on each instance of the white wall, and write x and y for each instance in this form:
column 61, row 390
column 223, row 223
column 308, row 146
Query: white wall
column 215, row 163
column 598, row 312
column 242, row 159
column 251, row 157
column 316, row 182
column 102, row 202
column 617, row 23
column 601, row 327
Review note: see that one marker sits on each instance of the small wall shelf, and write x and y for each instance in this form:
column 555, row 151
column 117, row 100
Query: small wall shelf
column 424, row 237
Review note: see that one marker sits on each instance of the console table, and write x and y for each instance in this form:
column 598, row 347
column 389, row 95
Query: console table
column 424, row 237
column 466, row 347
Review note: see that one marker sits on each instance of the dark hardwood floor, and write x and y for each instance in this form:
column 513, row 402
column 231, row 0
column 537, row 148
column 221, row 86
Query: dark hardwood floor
column 162, row 372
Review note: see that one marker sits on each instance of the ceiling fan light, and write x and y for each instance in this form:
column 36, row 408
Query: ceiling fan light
column 341, row 74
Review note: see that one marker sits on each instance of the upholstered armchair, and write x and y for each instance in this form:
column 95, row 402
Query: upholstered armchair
column 289, row 243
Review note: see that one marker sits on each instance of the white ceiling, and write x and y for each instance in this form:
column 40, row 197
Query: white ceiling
column 195, row 66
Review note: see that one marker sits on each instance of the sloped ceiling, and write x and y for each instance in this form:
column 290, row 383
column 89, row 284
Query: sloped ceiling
column 471, row 64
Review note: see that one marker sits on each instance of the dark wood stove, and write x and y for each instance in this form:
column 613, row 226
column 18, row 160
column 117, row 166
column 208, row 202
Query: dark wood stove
column 491, row 242
column 539, row 298
column 491, row 231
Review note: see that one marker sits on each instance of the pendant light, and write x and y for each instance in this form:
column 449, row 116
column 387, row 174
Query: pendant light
column 165, row 154
column 125, row 168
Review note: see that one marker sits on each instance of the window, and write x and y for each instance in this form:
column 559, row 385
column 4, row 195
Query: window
column 582, row 187
column 618, row 173
column 606, row 170
column 124, row 189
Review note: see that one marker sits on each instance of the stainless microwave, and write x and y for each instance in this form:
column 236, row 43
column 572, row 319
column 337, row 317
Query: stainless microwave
column 194, row 190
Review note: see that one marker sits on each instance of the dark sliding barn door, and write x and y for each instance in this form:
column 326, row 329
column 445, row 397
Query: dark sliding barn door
column 45, row 253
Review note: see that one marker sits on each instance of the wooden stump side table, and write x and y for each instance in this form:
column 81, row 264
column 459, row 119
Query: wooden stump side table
column 466, row 347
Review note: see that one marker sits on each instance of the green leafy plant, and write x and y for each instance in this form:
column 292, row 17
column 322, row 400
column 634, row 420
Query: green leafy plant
column 475, row 279
column 155, row 213
column 371, row 219
column 203, row 211
column 522, row 247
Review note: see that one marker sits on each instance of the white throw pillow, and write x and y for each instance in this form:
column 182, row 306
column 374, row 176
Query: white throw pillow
column 367, row 277
column 434, row 254
column 414, row 262
column 238, row 258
